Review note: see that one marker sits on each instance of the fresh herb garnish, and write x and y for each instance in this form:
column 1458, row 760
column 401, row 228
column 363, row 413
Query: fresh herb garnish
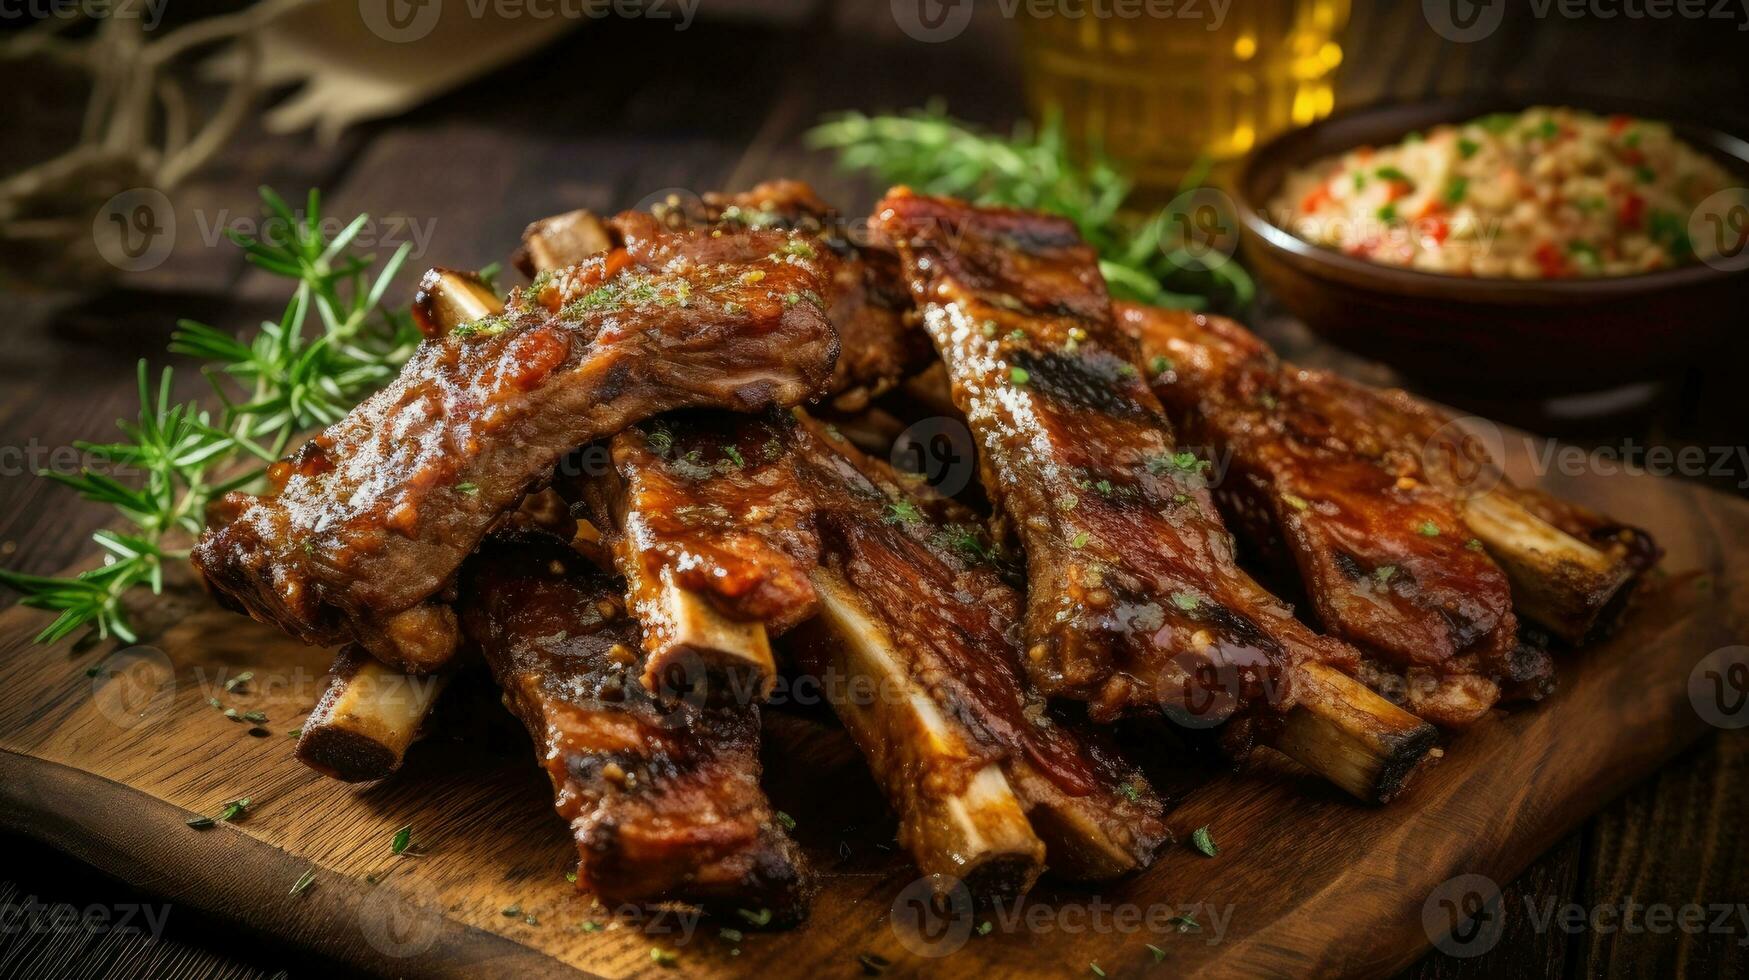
column 904, row 512
column 303, row 883
column 788, row 822
column 291, row 376
column 1185, row 923
column 1428, row 529
column 1159, row 954
column 1456, row 190
column 1467, row 147
column 1019, row 375
column 1139, row 255
column 402, row 840
column 662, row 957
column 1203, row 842
column 759, row 918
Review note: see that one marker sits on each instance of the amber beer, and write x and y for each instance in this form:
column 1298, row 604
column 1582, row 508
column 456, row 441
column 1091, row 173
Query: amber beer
column 1160, row 84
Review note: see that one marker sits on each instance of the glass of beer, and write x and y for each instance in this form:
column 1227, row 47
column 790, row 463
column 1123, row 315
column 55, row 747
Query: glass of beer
column 1161, row 85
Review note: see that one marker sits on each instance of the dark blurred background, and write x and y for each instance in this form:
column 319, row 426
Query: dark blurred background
column 456, row 142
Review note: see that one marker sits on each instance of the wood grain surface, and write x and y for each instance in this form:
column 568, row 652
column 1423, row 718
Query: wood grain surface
column 1306, row 883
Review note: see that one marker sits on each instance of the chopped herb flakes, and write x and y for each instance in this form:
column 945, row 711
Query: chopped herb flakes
column 1428, row 529
column 904, row 512
column 734, row 456
column 303, row 883
column 1079, row 541
column 470, row 489
column 1185, row 923
column 1019, row 375
column 1159, row 954
column 227, row 813
column 1297, row 503
column 1096, row 970
column 402, row 839
column 759, row 918
column 1130, row 792
column 662, row 957
column 788, row 822
column 1200, row 839
column 510, row 911
column 238, row 681
column 1186, row 601
column 1383, row 573
column 489, row 326
column 730, row 935
column 1160, row 364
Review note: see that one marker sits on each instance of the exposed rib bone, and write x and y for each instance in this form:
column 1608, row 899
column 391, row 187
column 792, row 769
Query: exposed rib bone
column 561, row 240
column 366, row 719
column 977, row 833
column 1349, row 735
column 1557, row 580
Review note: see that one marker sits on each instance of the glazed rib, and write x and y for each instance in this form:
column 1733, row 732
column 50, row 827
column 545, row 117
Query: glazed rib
column 371, row 518
column 910, row 639
column 1128, row 565
column 684, row 625
column 663, row 798
column 1563, row 565
column 1316, row 486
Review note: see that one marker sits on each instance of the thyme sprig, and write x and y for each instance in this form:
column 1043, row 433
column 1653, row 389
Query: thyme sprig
column 291, row 376
column 1036, row 168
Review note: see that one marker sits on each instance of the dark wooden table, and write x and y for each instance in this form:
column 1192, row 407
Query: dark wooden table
column 618, row 110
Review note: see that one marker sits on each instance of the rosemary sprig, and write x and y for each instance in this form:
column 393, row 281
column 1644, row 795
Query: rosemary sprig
column 936, row 154
column 286, row 379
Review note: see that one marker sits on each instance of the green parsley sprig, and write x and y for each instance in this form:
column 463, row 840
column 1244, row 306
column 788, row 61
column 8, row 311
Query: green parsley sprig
column 1035, row 168
column 296, row 373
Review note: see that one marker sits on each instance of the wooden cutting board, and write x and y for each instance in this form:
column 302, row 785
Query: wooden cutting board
column 110, row 767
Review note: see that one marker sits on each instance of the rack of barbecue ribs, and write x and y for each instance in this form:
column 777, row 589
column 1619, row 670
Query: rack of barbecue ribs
column 904, row 624
column 607, row 487
column 663, row 798
column 1135, row 601
column 1414, row 558
column 367, row 522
